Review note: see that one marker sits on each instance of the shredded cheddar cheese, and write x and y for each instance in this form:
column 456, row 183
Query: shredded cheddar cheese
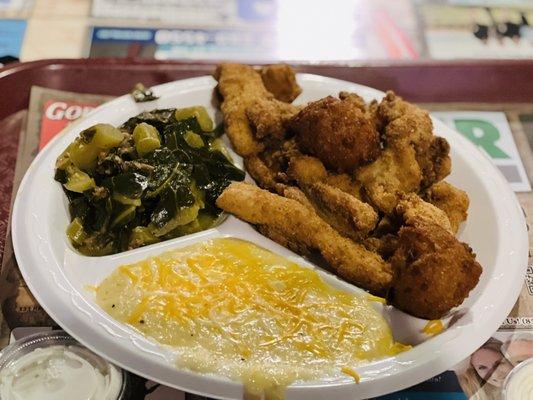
column 377, row 299
column 232, row 308
column 433, row 327
column 351, row 372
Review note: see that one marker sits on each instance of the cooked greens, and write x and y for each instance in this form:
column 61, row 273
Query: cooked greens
column 154, row 178
column 142, row 94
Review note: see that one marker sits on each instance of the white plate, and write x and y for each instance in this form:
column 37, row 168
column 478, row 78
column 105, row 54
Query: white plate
column 58, row 276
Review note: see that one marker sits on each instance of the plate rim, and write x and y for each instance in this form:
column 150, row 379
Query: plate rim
column 394, row 382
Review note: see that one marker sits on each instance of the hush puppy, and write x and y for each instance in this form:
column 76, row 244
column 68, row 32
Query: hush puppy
column 432, row 271
column 337, row 132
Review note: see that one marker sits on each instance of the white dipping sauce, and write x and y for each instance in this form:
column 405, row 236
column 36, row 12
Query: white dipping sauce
column 58, row 373
column 520, row 384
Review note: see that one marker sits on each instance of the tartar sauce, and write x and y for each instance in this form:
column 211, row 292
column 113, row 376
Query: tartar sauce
column 58, row 373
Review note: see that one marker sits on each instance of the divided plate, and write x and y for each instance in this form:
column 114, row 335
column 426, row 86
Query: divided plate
column 58, row 276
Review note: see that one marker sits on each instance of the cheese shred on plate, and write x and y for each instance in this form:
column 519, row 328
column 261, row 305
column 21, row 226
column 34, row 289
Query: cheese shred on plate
column 231, row 308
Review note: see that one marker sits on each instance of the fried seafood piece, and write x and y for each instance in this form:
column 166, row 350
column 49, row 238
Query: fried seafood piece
column 335, row 199
column 453, row 201
column 298, row 226
column 337, row 132
column 408, row 124
column 385, row 245
column 412, row 208
column 412, row 159
column 263, row 175
column 240, row 86
column 270, row 166
column 306, row 170
column 348, row 215
column 280, row 80
column 433, row 271
column 292, row 192
column 269, row 118
column 437, row 164
column 396, row 171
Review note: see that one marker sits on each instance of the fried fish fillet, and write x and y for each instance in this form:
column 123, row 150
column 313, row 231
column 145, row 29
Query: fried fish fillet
column 408, row 124
column 396, row 171
column 280, row 80
column 348, row 215
column 337, row 132
column 453, row 201
column 298, row 226
column 333, row 197
column 412, row 159
column 270, row 118
column 412, row 208
column 264, row 176
column 248, row 107
column 433, row 271
column 306, row 170
column 239, row 86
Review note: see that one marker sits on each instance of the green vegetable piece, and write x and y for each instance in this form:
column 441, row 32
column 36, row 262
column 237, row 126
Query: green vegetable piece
column 184, row 216
column 157, row 118
column 218, row 145
column 123, row 216
column 141, row 236
column 63, row 161
column 146, row 138
column 106, row 136
column 129, row 184
column 198, row 112
column 126, row 200
column 83, row 155
column 78, row 181
column 75, row 232
column 193, row 139
column 97, row 250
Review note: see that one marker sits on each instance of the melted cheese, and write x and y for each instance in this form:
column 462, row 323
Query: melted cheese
column 235, row 309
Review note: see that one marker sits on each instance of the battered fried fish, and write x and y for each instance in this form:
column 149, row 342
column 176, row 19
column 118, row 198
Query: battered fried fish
column 433, row 271
column 298, row 226
column 240, row 86
column 337, row 132
column 270, row 118
column 406, row 124
column 333, row 197
column 412, row 159
column 453, row 201
column 396, row 171
column 412, row 208
column 264, row 176
column 280, row 80
column 250, row 111
column 305, row 170
column 348, row 215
